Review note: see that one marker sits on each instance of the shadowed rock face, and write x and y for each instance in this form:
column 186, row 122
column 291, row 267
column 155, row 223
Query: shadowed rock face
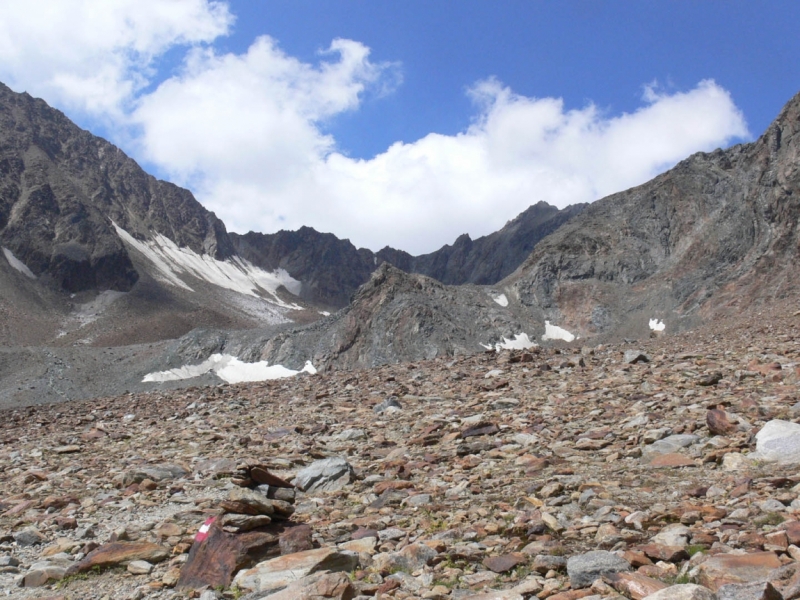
column 717, row 231
column 60, row 189
column 332, row 269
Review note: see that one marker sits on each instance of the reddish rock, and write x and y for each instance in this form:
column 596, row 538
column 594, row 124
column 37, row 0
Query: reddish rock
column 637, row 558
column 665, row 553
column 792, row 529
column 672, row 460
column 504, row 563
column 722, row 569
column 718, row 422
column 214, row 559
column 635, row 585
column 261, row 475
column 479, row 429
column 296, row 539
column 119, row 553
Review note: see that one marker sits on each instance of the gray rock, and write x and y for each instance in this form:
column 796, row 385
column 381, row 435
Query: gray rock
column 668, row 445
column 583, row 569
column 685, row 591
column 632, row 357
column 155, row 473
column 350, row 435
column 761, row 590
column 325, row 475
column 388, row 403
column 29, row 537
column 673, row 535
column 778, row 441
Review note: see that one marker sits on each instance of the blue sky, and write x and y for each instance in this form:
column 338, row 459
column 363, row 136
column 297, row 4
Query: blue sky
column 405, row 123
column 586, row 51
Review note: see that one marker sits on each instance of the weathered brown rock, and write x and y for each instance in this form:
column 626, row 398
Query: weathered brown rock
column 119, row 553
column 635, row 585
column 723, row 569
column 214, row 559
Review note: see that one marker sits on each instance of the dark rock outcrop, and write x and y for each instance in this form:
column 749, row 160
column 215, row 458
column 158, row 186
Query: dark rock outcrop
column 60, row 189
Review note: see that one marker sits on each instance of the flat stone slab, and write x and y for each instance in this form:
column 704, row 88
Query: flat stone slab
column 277, row 573
column 684, row 591
column 723, row 569
column 120, row 553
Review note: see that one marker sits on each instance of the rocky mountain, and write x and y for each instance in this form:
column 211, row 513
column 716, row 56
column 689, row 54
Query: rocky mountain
column 97, row 252
column 488, row 259
column 718, row 231
column 61, row 190
column 332, row 269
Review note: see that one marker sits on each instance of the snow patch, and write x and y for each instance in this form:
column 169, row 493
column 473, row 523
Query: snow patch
column 657, row 325
column 554, row 332
column 501, row 300
column 234, row 273
column 521, row 341
column 325, row 313
column 18, row 264
column 230, row 369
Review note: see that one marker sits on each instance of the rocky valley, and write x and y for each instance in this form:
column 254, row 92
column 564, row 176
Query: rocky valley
column 596, row 402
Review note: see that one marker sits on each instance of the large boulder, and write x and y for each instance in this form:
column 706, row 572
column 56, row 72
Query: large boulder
column 278, row 573
column 327, row 475
column 778, row 441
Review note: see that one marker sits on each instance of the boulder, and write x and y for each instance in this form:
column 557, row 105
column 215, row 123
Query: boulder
column 583, row 569
column 778, row 441
column 277, row 573
column 336, row 586
column 325, row 475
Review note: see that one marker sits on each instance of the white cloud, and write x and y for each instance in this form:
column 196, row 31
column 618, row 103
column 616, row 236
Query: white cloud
column 94, row 56
column 418, row 196
column 247, row 132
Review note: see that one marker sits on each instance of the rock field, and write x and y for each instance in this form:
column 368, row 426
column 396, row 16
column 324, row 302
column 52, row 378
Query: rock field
column 661, row 468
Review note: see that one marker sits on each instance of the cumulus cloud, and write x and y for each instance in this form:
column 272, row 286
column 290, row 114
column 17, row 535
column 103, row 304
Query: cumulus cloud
column 95, row 56
column 247, row 132
column 269, row 166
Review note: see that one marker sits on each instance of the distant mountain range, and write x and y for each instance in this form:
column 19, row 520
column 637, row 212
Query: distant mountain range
column 99, row 254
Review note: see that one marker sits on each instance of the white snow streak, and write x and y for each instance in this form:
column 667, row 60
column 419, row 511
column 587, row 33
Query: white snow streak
column 18, row 264
column 234, row 273
column 501, row 300
column 521, row 341
column 554, row 332
column 230, row 369
column 657, row 325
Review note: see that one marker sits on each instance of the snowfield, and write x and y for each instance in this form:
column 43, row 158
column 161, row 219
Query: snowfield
column 521, row 341
column 502, row 300
column 234, row 273
column 554, row 332
column 230, row 369
column 18, row 264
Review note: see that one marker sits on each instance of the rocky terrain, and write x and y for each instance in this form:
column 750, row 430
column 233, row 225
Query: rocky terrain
column 332, row 269
column 665, row 466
